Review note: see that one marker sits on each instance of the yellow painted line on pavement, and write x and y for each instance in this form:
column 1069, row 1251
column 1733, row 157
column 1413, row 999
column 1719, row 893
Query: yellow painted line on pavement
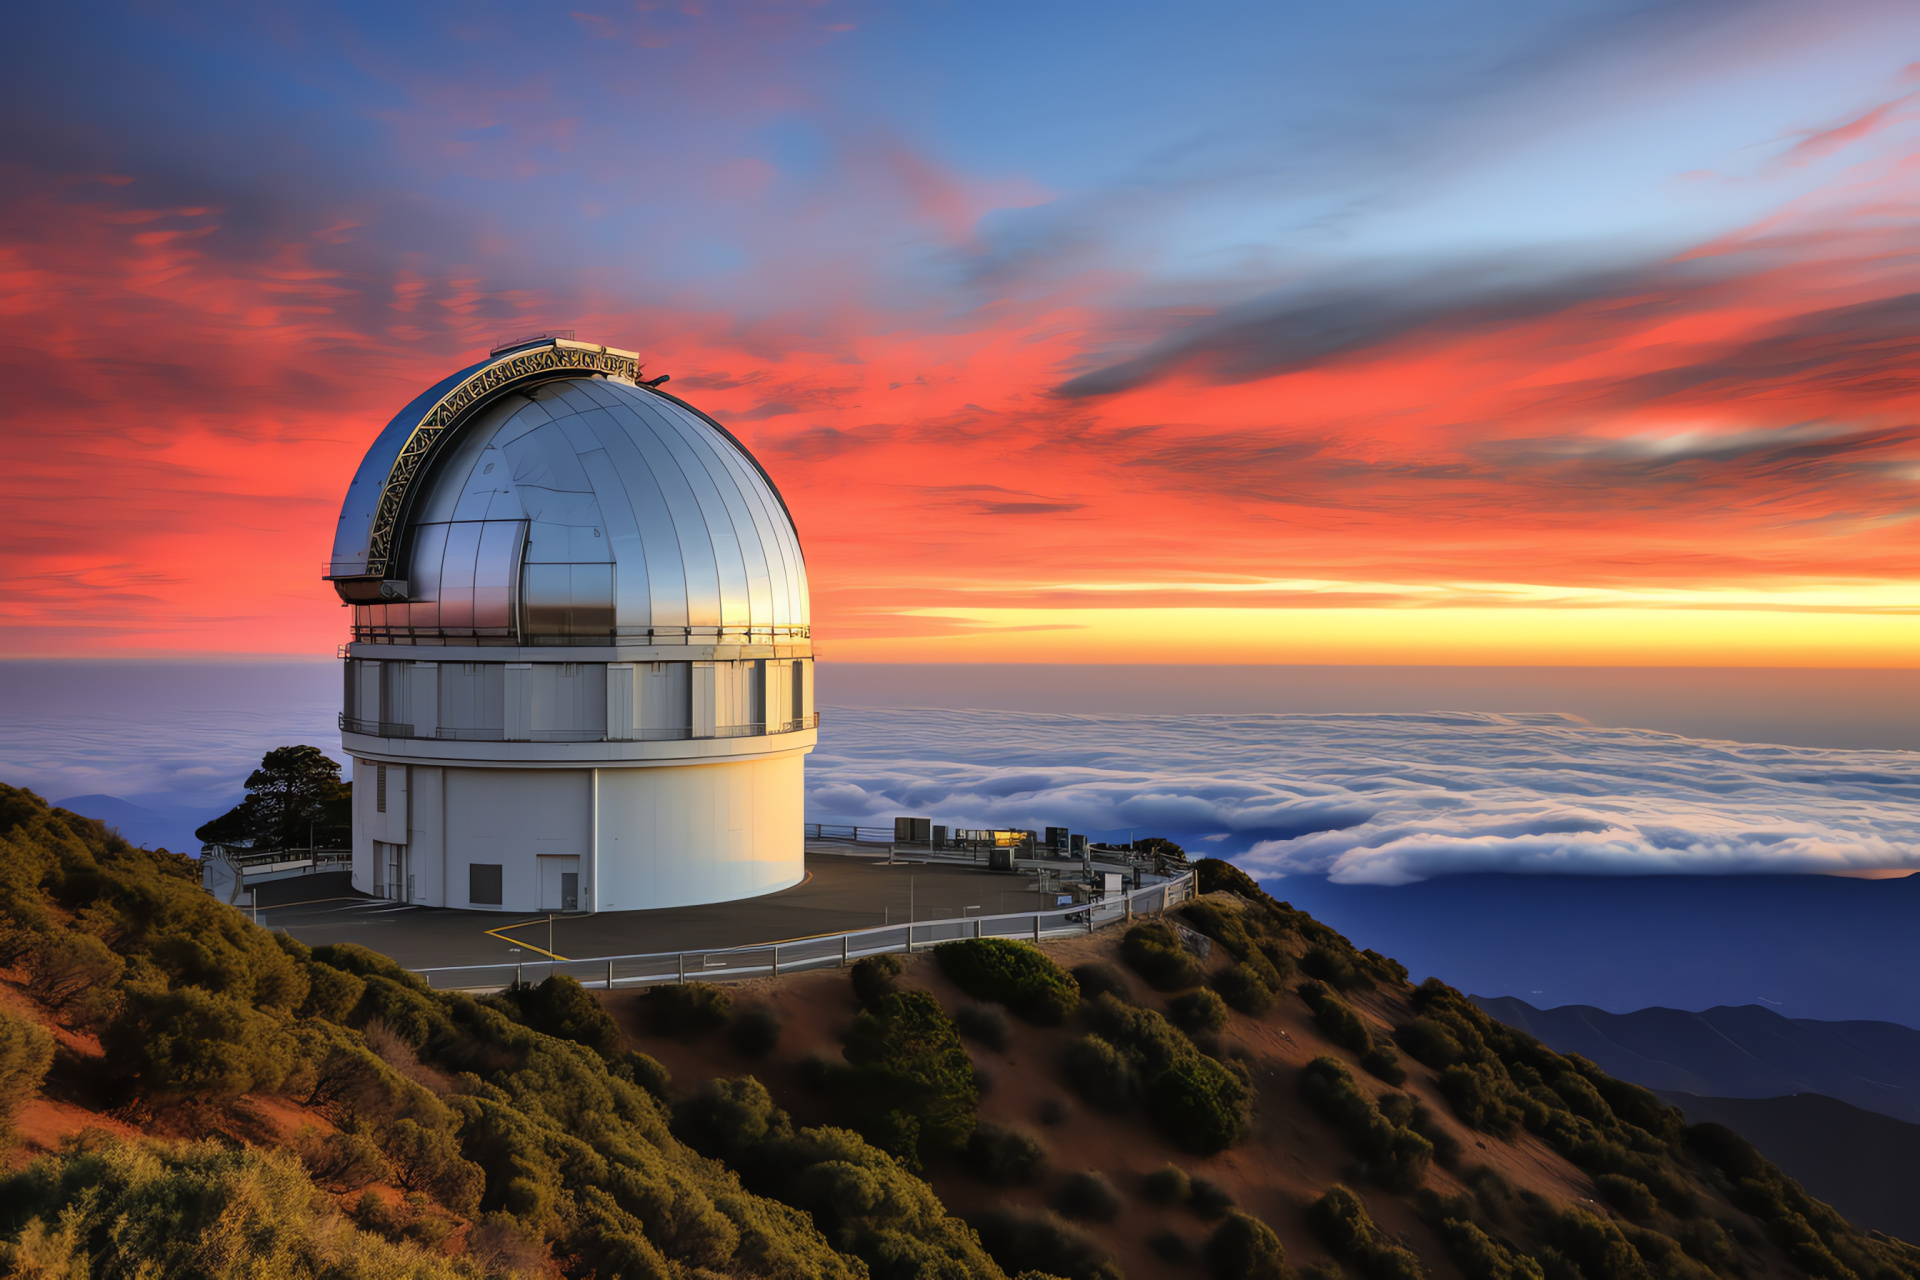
column 501, row 933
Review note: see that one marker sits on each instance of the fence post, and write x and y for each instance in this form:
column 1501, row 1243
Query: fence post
column 1089, row 917
column 776, row 959
column 681, row 959
column 516, row 976
column 1036, row 926
column 1129, row 906
column 846, row 948
column 609, row 975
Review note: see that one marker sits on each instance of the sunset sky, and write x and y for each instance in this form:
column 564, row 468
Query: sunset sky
column 1516, row 331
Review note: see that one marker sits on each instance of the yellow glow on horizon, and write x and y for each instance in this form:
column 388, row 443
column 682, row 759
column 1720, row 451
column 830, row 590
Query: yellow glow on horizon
column 1444, row 636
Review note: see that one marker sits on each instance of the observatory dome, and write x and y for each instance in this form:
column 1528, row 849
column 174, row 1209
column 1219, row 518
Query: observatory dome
column 583, row 510
column 581, row 674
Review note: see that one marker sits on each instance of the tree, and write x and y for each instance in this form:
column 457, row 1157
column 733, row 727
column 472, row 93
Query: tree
column 294, row 792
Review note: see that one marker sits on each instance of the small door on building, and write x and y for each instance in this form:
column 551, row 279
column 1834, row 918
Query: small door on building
column 559, row 883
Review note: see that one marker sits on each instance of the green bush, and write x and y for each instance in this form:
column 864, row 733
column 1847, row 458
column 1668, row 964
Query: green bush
column 1335, row 1017
column 912, row 1088
column 1198, row 1012
column 861, row 1198
column 646, row 1072
column 1208, row 1198
column 1481, row 1257
column 1343, row 1223
column 1340, row 970
column 342, row 1161
column 1098, row 978
column 1166, row 1185
column 1390, row 1154
column 1244, row 989
column 26, row 1051
column 1153, row 951
column 1007, row 1156
column 1383, row 1063
column 424, row 1159
column 754, row 1032
column 1244, row 1248
column 985, row 1023
column 686, row 1008
column 1629, row 1195
column 873, row 977
column 1019, row 976
column 72, row 968
column 561, row 1007
column 1137, row 1053
column 1021, row 1241
column 1102, row 1073
column 192, row 1209
column 1201, row 1105
column 1090, row 1196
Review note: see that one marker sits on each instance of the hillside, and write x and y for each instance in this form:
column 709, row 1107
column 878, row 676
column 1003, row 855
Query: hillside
column 190, row 1095
column 1861, row 1162
column 1744, row 1051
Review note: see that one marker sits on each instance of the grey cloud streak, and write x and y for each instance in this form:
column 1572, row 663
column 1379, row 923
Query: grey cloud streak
column 1383, row 799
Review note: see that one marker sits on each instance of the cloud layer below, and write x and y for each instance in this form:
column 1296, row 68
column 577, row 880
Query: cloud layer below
column 1383, row 799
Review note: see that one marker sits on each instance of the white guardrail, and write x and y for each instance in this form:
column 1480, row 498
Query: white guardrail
column 770, row 959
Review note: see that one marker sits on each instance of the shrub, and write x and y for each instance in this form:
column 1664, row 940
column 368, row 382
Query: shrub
column 1201, row 1105
column 1153, row 951
column 1098, row 978
column 986, row 1023
column 189, row 1041
column 1383, row 1063
column 754, row 1032
column 1166, row 1185
column 1431, row 1043
column 188, row 1209
column 1343, row 1223
column 1481, row 1257
column 1102, row 1073
column 561, row 1007
column 1243, row 989
column 1208, row 1198
column 1244, row 1248
column 1019, row 976
column 1198, row 1011
column 873, row 977
column 912, row 1083
column 646, row 1072
column 67, row 967
column 1005, row 1155
column 344, row 1161
column 26, row 1051
column 1391, row 1154
column 331, row 993
column 424, row 1159
column 1335, row 1017
column 1088, row 1195
column 686, row 1008
column 1170, row 1246
column 1629, row 1195
column 1335, row 968
column 1022, row 1241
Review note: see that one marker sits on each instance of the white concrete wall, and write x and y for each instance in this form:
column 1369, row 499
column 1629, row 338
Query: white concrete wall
column 426, row 834
column 673, row 837
column 511, row 817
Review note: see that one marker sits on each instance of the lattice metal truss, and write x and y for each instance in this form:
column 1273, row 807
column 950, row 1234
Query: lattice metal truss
column 537, row 364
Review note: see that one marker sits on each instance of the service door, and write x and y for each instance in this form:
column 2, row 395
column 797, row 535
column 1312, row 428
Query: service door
column 559, row 883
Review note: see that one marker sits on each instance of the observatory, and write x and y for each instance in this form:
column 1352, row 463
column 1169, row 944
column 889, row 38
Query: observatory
column 581, row 677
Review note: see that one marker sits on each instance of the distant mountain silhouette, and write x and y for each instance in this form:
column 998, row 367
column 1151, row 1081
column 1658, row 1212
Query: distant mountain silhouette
column 151, row 826
column 1862, row 1163
column 1808, row 946
column 1735, row 1052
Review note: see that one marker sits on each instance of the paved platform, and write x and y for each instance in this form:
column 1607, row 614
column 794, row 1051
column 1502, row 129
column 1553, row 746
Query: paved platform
column 841, row 892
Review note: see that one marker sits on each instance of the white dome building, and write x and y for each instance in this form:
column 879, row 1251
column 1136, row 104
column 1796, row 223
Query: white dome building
column 581, row 676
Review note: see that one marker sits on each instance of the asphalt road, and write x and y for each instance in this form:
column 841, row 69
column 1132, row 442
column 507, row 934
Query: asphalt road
column 840, row 893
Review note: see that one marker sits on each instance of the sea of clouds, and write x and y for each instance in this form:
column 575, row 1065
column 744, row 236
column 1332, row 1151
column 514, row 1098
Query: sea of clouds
column 1382, row 798
column 1360, row 798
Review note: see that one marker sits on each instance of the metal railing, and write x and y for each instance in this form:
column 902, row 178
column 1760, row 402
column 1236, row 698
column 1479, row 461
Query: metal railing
column 751, row 729
column 366, row 632
column 771, row 959
column 859, row 835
